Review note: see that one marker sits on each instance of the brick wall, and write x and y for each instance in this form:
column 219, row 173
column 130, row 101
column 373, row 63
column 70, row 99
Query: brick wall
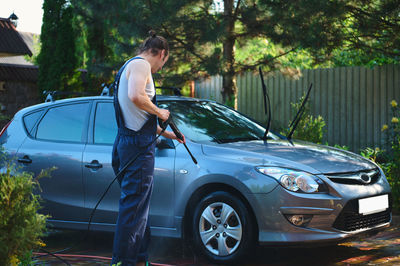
column 15, row 95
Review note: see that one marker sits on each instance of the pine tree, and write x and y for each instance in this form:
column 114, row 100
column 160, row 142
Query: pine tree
column 203, row 35
column 57, row 59
column 206, row 35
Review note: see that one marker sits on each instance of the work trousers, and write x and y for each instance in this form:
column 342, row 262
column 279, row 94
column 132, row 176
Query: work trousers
column 132, row 233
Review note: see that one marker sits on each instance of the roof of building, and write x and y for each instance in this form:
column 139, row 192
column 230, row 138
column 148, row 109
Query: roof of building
column 28, row 37
column 15, row 60
column 12, row 72
column 11, row 42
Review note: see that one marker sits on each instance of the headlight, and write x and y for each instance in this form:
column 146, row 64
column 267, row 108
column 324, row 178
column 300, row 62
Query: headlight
column 293, row 180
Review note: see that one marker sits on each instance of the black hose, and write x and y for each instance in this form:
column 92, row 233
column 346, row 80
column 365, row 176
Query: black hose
column 97, row 204
column 54, row 255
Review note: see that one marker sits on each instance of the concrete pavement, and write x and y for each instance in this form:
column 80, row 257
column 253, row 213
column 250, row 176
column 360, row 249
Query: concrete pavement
column 381, row 249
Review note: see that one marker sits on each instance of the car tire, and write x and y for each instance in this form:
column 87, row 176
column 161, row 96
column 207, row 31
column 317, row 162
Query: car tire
column 222, row 228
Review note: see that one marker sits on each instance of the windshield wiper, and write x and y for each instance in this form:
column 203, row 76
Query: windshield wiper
column 297, row 118
column 266, row 97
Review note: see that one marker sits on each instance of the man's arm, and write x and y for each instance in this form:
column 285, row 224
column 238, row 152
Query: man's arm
column 170, row 134
column 138, row 75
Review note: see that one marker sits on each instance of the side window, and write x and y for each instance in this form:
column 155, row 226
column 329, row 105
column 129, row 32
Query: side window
column 63, row 123
column 30, row 120
column 105, row 126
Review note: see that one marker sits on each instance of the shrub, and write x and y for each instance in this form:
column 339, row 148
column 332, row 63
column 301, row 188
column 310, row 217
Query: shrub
column 230, row 101
column 389, row 160
column 20, row 225
column 337, row 146
column 3, row 121
column 309, row 128
column 391, row 169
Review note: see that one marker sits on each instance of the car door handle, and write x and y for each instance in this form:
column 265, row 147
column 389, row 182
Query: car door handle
column 25, row 159
column 94, row 165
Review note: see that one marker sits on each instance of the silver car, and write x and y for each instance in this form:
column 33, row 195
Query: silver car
column 245, row 189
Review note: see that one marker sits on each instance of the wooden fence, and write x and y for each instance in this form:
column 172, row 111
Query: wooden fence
column 354, row 101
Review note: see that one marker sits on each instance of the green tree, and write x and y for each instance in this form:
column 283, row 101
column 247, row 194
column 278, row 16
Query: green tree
column 57, row 59
column 36, row 50
column 373, row 27
column 210, row 37
column 99, row 42
column 371, row 34
column 203, row 35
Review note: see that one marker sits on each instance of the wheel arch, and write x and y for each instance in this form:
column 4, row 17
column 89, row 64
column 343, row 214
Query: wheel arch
column 207, row 189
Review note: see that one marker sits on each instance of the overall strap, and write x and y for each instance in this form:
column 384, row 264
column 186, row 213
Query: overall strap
column 150, row 127
column 118, row 112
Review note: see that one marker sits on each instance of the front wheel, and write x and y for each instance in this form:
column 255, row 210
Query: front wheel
column 222, row 227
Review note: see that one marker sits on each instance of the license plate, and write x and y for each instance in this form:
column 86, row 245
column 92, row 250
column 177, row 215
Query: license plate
column 373, row 204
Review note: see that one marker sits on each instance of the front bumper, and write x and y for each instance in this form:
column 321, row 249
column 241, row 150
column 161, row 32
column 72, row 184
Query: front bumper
column 334, row 215
column 309, row 239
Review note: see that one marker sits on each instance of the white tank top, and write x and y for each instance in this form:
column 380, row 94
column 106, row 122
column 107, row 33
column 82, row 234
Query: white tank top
column 134, row 117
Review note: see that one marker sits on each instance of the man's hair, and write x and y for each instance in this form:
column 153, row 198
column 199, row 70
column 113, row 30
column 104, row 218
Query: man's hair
column 154, row 44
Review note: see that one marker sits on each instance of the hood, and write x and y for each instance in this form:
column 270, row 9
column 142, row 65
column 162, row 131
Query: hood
column 309, row 157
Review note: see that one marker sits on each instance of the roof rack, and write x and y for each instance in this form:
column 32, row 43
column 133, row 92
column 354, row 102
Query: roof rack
column 176, row 90
column 50, row 95
column 106, row 89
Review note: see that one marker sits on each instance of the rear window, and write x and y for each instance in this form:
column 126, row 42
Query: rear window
column 31, row 119
column 64, row 123
column 105, row 126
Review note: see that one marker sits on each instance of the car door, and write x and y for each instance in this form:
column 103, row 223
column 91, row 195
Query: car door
column 98, row 173
column 58, row 140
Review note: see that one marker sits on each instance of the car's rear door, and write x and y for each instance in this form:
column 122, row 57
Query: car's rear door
column 98, row 173
column 97, row 170
column 57, row 140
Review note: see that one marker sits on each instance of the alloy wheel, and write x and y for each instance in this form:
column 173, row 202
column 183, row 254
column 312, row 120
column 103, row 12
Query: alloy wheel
column 220, row 229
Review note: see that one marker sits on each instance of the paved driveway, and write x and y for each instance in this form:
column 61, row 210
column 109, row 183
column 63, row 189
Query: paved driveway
column 381, row 249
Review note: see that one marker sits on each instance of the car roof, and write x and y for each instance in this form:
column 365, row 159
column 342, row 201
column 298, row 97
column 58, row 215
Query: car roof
column 109, row 98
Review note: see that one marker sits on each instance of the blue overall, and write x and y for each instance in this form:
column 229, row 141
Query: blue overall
column 132, row 234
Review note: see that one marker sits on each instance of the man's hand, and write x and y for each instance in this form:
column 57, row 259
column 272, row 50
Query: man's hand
column 163, row 114
column 180, row 141
column 171, row 135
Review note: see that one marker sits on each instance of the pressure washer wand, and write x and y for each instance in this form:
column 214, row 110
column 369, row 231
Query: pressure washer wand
column 179, row 136
column 177, row 133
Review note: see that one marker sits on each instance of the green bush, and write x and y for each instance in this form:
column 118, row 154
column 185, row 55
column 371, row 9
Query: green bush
column 20, row 225
column 337, row 146
column 3, row 117
column 390, row 167
column 230, row 101
column 3, row 121
column 309, row 128
column 389, row 160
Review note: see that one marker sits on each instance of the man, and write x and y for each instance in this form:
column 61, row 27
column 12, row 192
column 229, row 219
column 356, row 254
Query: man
column 136, row 113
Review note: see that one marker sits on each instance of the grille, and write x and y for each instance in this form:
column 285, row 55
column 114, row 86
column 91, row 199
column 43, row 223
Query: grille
column 350, row 220
column 357, row 178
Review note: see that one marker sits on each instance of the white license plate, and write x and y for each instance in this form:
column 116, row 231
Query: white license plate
column 373, row 204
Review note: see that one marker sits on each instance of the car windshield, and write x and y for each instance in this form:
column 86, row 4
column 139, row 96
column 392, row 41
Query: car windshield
column 203, row 121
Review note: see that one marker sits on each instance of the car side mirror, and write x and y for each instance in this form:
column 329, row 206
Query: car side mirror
column 164, row 143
